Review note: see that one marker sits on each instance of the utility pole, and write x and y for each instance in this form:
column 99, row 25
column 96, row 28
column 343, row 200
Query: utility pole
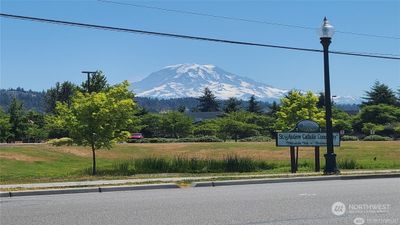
column 88, row 79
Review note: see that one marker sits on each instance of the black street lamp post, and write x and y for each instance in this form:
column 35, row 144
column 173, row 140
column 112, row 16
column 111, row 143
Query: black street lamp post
column 326, row 33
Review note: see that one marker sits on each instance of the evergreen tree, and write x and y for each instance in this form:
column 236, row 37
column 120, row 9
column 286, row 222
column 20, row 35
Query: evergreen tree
column 17, row 119
column 208, row 102
column 380, row 94
column 5, row 127
column 398, row 96
column 181, row 108
column 274, row 108
column 254, row 106
column 232, row 105
column 51, row 98
column 141, row 111
column 67, row 90
column 60, row 93
column 321, row 100
column 97, row 83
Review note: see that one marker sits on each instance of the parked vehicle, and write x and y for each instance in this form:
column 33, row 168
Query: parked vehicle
column 136, row 136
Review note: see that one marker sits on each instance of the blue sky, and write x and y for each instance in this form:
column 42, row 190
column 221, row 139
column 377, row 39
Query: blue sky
column 35, row 56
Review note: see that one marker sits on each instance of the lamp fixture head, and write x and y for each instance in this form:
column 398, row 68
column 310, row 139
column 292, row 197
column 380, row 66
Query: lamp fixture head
column 326, row 30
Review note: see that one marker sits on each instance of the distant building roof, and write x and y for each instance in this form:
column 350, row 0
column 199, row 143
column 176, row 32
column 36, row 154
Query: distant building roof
column 201, row 116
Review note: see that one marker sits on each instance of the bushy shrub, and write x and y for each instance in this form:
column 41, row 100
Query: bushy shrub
column 390, row 130
column 368, row 127
column 349, row 138
column 256, row 139
column 200, row 139
column 152, row 140
column 60, row 141
column 176, row 140
column 377, row 138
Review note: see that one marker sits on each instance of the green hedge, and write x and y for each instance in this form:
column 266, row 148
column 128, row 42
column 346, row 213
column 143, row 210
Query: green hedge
column 196, row 139
column 60, row 141
column 349, row 138
column 256, row 139
column 377, row 138
column 176, row 140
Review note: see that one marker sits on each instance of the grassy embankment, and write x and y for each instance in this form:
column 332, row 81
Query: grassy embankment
column 44, row 163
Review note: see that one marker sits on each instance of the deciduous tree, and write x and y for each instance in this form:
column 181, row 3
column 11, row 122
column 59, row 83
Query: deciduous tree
column 229, row 128
column 98, row 119
column 176, row 124
column 296, row 107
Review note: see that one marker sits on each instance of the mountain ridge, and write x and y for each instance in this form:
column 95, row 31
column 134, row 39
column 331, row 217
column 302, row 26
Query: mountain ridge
column 190, row 79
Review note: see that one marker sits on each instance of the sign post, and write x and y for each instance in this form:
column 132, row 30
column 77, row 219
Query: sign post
column 307, row 133
column 316, row 161
column 292, row 160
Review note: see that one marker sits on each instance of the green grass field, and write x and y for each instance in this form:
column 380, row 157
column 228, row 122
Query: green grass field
column 44, row 163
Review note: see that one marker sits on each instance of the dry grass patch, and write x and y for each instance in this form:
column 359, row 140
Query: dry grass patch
column 78, row 151
column 20, row 157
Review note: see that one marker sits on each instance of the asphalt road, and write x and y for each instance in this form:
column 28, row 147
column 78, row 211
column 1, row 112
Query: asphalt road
column 373, row 201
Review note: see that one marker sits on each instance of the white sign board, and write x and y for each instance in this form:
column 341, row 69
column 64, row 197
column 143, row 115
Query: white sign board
column 305, row 139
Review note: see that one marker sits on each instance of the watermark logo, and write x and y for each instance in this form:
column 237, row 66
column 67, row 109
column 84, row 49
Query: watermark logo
column 338, row 208
column 368, row 208
column 359, row 221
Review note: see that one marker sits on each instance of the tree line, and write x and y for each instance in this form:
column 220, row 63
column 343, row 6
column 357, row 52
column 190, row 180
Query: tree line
column 379, row 114
column 97, row 114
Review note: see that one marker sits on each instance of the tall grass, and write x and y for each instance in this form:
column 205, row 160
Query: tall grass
column 348, row 164
column 179, row 164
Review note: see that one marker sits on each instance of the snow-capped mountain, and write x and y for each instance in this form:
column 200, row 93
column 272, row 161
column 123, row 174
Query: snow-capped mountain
column 348, row 100
column 189, row 80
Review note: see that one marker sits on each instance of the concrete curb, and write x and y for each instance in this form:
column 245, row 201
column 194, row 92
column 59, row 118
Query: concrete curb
column 87, row 190
column 195, row 184
column 295, row 179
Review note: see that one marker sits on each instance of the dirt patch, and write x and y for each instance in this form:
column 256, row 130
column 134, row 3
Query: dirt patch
column 20, row 157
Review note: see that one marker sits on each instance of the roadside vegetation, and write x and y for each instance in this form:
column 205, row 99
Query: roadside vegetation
column 98, row 115
column 47, row 163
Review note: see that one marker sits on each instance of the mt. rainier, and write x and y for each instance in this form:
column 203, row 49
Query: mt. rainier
column 189, row 80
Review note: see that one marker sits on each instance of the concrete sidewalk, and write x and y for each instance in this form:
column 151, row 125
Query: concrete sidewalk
column 99, row 183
